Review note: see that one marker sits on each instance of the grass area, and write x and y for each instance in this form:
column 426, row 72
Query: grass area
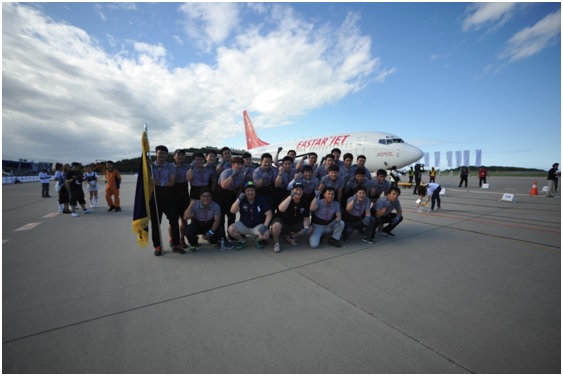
column 534, row 174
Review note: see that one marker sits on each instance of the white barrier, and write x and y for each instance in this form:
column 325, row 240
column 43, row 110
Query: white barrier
column 485, row 186
column 545, row 188
column 20, row 179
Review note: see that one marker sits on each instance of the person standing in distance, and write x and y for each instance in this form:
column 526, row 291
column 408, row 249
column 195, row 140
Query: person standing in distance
column 552, row 176
column 113, row 178
column 463, row 174
column 483, row 173
column 44, row 177
column 74, row 178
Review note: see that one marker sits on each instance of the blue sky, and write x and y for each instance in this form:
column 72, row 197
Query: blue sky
column 80, row 79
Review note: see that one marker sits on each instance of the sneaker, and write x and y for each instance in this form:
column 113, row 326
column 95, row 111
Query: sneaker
column 184, row 245
column 228, row 245
column 192, row 249
column 157, row 251
column 75, row 214
column 388, row 233
column 365, row 239
column 334, row 242
column 87, row 211
column 178, row 249
column 277, row 248
column 290, row 240
column 111, row 208
column 379, row 228
column 259, row 244
column 240, row 245
column 117, row 209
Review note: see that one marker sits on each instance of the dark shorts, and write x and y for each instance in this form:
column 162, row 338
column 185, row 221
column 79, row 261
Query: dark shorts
column 77, row 196
column 288, row 228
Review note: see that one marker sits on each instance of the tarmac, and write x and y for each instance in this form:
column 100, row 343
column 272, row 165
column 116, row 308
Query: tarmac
column 472, row 288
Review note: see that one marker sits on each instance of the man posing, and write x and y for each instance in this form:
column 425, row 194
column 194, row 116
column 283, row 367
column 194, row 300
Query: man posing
column 164, row 177
column 326, row 218
column 387, row 209
column 255, row 217
column 292, row 218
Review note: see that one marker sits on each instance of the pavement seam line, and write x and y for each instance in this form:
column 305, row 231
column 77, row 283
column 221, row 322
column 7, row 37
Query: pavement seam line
column 394, row 327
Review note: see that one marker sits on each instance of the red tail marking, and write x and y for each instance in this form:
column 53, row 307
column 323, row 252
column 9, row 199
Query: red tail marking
column 252, row 140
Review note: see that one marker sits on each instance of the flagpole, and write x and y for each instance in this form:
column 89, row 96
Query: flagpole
column 154, row 194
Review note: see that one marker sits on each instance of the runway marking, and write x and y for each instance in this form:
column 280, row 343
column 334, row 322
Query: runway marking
column 51, row 215
column 501, row 223
column 5, row 241
column 27, row 227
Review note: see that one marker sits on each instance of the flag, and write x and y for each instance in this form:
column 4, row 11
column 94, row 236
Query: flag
column 141, row 211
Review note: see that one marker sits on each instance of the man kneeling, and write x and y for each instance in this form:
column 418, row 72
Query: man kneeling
column 205, row 216
column 292, row 218
column 387, row 209
column 326, row 218
column 255, row 217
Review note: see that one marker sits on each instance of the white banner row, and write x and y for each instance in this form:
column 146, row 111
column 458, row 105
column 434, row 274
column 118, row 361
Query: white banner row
column 449, row 158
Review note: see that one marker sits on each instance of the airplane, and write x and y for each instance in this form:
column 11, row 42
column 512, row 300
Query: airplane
column 382, row 150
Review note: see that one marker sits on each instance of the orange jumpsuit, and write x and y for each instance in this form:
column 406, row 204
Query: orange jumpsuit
column 112, row 188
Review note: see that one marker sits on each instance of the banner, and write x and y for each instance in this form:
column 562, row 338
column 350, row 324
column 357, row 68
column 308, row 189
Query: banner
column 436, row 159
column 458, row 158
column 478, row 158
column 426, row 159
column 449, row 158
column 141, row 211
column 466, row 158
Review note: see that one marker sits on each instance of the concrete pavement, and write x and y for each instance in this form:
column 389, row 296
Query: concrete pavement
column 473, row 288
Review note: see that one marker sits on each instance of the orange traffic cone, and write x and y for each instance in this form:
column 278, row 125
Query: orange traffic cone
column 534, row 191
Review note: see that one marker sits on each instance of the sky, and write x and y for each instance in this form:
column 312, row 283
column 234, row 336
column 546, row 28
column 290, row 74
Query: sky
column 80, row 80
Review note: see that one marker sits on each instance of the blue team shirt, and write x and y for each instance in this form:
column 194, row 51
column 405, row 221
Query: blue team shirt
column 251, row 215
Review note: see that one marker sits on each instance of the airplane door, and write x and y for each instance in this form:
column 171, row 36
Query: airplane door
column 360, row 145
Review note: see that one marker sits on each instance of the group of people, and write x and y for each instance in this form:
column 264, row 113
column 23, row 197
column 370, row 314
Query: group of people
column 69, row 181
column 279, row 199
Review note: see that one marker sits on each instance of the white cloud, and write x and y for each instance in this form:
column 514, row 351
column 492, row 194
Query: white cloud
column 209, row 23
column 532, row 40
column 65, row 98
column 492, row 15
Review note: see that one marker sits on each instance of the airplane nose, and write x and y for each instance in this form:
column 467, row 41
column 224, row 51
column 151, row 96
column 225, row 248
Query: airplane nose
column 412, row 153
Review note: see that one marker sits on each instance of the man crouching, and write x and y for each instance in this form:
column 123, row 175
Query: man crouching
column 255, row 217
column 292, row 218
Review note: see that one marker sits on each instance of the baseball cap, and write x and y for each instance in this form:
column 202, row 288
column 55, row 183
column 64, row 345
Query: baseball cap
column 249, row 184
column 298, row 185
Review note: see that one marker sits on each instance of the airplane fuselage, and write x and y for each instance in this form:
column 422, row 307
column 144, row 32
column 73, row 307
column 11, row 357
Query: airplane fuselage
column 382, row 150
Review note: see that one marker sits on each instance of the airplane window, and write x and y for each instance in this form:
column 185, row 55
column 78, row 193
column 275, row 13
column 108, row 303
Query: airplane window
column 382, row 141
column 398, row 140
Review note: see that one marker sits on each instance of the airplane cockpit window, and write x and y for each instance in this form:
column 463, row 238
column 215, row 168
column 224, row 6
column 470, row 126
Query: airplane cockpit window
column 389, row 141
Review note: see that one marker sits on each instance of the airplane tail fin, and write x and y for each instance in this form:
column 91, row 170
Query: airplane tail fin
column 252, row 140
